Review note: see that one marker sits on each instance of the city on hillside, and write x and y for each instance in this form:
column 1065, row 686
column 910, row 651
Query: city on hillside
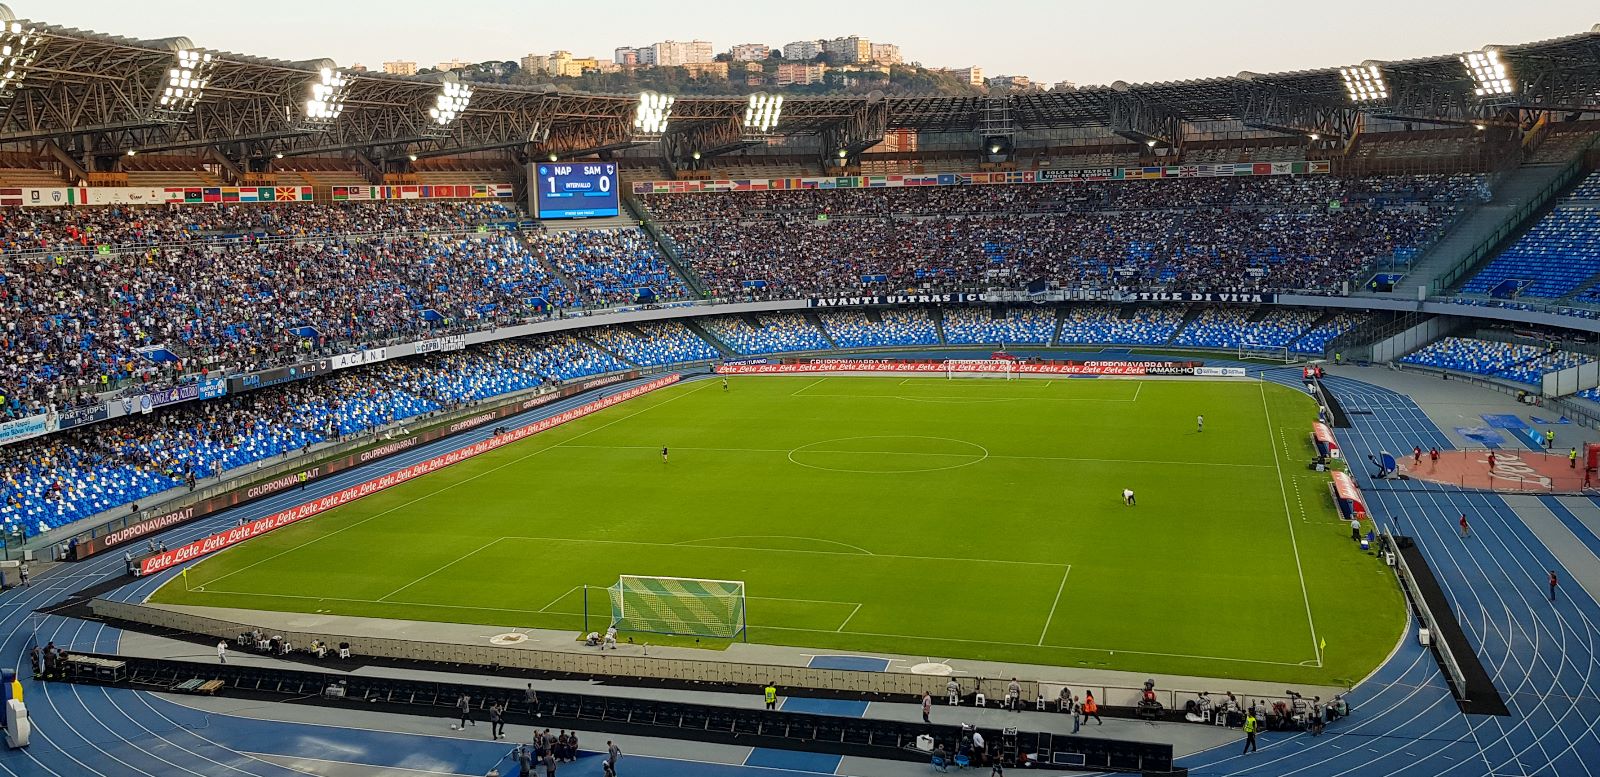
column 844, row 65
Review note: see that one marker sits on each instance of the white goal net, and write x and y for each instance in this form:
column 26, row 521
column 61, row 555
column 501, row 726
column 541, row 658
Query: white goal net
column 678, row 605
column 980, row 368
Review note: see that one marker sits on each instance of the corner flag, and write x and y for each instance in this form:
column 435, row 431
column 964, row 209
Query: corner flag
column 1322, row 646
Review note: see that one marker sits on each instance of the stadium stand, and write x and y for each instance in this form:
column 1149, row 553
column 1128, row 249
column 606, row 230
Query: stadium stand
column 1316, row 339
column 80, row 320
column 772, row 333
column 1491, row 358
column 1263, row 234
column 1105, row 324
column 56, row 480
column 855, row 328
column 1029, row 326
column 610, row 267
column 1556, row 256
column 1233, row 327
column 655, row 344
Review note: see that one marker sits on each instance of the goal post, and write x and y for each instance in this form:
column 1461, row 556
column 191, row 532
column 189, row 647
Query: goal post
column 679, row 605
column 980, row 368
column 1277, row 353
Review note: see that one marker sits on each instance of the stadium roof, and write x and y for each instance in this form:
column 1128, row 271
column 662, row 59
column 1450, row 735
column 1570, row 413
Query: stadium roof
column 91, row 94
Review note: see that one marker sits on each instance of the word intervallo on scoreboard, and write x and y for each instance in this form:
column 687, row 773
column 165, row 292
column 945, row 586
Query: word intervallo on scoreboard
column 1134, row 368
column 278, row 520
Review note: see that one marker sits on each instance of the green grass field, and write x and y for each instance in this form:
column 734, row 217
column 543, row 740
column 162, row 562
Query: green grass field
column 949, row 518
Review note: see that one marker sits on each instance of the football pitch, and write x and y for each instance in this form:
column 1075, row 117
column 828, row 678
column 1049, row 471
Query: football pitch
column 967, row 518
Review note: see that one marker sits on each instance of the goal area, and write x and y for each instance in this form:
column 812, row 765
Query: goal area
column 980, row 368
column 678, row 605
column 1265, row 351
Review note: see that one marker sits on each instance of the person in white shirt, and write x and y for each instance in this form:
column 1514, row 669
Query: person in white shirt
column 1127, row 496
column 222, row 652
column 1199, row 423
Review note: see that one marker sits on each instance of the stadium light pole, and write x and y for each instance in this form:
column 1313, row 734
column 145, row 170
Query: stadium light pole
column 185, row 84
column 1490, row 76
column 1365, row 84
column 19, row 47
column 325, row 97
column 448, row 105
column 653, row 114
column 761, row 114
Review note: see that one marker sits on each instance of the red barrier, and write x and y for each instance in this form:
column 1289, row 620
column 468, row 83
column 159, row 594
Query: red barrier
column 261, row 526
column 1042, row 368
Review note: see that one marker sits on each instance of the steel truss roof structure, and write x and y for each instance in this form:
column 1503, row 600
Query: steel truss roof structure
column 90, row 96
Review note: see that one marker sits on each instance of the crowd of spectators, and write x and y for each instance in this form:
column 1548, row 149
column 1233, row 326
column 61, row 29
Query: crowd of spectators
column 55, row 480
column 1270, row 234
column 611, row 266
column 771, row 333
column 86, row 321
column 654, row 344
column 1249, row 191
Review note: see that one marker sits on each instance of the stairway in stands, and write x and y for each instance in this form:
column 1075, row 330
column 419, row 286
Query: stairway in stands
column 1520, row 195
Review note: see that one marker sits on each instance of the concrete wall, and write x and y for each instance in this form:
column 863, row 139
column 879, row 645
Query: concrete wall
column 1398, row 345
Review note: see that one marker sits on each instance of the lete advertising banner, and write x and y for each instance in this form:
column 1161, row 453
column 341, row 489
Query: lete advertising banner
column 1043, row 368
column 278, row 520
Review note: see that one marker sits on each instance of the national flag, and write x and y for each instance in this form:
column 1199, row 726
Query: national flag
column 284, row 194
column 211, row 194
column 230, row 194
column 193, row 195
column 248, row 194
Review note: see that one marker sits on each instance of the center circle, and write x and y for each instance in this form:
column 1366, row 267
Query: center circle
column 888, row 454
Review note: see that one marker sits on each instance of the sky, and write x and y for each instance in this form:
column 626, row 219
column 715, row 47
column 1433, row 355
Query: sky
column 1050, row 40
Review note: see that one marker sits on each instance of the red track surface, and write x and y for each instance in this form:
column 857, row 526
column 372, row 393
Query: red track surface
column 1513, row 470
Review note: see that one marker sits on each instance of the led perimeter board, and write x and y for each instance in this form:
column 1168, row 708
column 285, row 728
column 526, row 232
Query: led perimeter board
column 572, row 190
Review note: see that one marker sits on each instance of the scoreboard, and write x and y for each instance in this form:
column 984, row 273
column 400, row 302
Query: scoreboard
column 573, row 190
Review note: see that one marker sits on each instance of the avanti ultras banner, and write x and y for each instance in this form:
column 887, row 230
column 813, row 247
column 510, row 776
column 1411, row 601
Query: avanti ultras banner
column 239, row 534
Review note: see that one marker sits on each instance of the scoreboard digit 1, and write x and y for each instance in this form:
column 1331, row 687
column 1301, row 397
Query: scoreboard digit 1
column 573, row 190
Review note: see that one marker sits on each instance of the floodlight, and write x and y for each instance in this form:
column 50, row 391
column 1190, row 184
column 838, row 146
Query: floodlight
column 553, row 156
column 696, row 155
column 325, row 100
column 132, row 152
column 1489, row 75
column 1314, row 136
column 762, row 113
column 412, row 157
column 19, row 46
column 450, row 103
column 843, row 153
column 1151, row 143
column 185, row 84
column 1364, row 83
column 278, row 155
column 655, row 110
